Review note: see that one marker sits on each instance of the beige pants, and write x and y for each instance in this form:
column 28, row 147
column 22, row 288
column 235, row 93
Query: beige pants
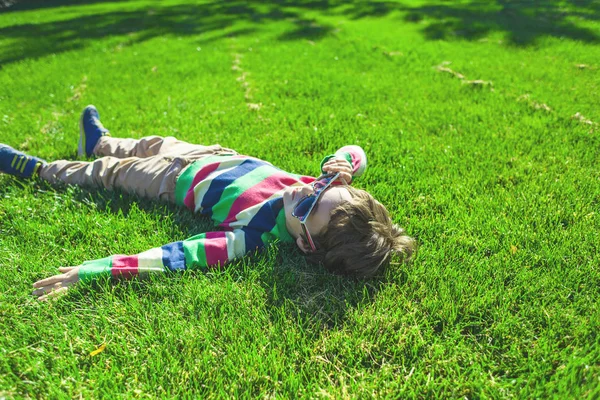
column 148, row 167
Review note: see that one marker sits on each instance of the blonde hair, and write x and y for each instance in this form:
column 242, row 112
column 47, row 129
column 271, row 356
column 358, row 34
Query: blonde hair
column 360, row 238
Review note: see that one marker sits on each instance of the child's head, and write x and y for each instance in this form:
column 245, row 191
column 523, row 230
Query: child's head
column 352, row 232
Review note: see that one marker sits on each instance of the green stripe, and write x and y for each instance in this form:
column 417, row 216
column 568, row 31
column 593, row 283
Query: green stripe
column 327, row 158
column 186, row 177
column 348, row 157
column 185, row 181
column 267, row 237
column 24, row 165
column 280, row 229
column 14, row 160
column 91, row 270
column 37, row 167
column 194, row 251
column 19, row 163
column 239, row 186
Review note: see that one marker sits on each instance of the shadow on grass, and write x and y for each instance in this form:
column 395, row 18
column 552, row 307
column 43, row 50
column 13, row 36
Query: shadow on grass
column 216, row 19
column 523, row 21
column 304, row 292
column 25, row 5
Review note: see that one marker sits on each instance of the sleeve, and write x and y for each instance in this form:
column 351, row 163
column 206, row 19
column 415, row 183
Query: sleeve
column 211, row 249
column 355, row 155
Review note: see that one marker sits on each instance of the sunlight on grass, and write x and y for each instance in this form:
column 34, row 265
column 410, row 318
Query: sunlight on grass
column 480, row 121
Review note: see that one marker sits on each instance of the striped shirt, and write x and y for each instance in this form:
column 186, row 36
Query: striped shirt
column 241, row 194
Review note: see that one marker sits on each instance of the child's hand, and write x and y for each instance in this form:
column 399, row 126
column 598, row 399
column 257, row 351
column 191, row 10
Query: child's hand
column 57, row 284
column 341, row 165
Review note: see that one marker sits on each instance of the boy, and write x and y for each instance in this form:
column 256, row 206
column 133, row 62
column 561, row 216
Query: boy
column 253, row 202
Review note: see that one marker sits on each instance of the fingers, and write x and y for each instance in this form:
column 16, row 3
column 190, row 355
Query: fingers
column 49, row 288
column 344, row 170
column 52, row 290
column 337, row 168
column 56, row 285
column 338, row 161
column 345, row 177
column 50, row 281
column 54, row 294
column 338, row 165
column 56, row 278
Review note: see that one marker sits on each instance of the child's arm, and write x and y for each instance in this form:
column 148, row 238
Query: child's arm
column 200, row 251
column 348, row 156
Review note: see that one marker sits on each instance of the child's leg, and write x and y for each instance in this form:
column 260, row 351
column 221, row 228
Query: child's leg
column 151, row 177
column 152, row 146
column 94, row 139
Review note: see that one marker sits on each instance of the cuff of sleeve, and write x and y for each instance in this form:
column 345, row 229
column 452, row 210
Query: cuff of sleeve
column 359, row 164
column 94, row 269
column 327, row 158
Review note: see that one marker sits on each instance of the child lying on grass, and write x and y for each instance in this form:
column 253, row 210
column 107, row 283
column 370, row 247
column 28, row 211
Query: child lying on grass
column 254, row 203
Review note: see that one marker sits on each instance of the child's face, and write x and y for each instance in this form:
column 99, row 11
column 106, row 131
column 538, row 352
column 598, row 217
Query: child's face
column 319, row 217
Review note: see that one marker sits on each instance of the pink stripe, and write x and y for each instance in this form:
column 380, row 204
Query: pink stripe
column 215, row 247
column 356, row 158
column 307, row 179
column 258, row 193
column 124, row 267
column 190, row 200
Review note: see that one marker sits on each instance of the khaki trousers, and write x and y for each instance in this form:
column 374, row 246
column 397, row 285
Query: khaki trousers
column 147, row 167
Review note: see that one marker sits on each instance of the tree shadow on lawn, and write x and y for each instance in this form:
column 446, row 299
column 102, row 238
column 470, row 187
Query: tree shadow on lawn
column 524, row 21
column 318, row 299
column 216, row 19
column 25, row 5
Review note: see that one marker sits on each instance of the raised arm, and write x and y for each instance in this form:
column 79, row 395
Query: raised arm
column 350, row 161
column 211, row 249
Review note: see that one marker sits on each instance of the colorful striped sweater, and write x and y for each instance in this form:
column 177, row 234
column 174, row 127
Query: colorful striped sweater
column 242, row 195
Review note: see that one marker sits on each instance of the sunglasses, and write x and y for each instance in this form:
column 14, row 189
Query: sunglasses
column 307, row 203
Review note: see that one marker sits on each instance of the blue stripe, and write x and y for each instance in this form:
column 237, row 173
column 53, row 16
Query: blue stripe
column 253, row 239
column 173, row 256
column 266, row 218
column 221, row 182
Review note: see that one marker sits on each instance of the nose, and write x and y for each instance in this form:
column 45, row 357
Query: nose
column 306, row 190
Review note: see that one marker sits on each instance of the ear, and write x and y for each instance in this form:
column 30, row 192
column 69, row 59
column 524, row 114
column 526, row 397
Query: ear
column 304, row 246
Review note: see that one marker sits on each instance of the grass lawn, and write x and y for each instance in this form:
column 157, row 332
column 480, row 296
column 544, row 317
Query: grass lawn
column 481, row 121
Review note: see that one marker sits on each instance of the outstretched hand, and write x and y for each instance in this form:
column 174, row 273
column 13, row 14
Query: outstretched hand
column 56, row 285
column 341, row 165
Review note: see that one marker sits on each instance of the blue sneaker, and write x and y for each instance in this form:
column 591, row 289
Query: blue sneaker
column 90, row 131
column 19, row 164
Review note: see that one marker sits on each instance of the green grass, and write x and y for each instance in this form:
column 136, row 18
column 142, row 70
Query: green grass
column 500, row 184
